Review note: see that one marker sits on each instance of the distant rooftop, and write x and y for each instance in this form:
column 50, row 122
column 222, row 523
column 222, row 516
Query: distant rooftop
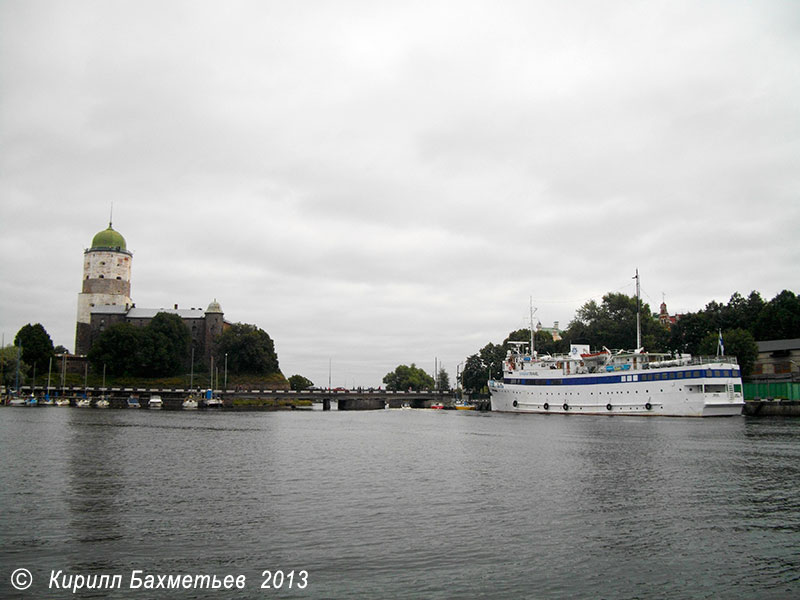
column 776, row 345
column 149, row 313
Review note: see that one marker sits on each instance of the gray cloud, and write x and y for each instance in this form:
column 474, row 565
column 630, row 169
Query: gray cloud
column 380, row 183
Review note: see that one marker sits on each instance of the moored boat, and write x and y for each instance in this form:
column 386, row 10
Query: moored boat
column 625, row 383
column 155, row 403
column 620, row 382
column 189, row 404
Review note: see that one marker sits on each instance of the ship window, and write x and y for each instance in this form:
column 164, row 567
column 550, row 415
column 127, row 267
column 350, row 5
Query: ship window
column 680, row 375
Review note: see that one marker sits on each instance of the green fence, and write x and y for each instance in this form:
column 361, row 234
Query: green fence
column 784, row 390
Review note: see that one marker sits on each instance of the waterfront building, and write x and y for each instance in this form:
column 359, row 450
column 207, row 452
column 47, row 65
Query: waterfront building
column 666, row 319
column 778, row 360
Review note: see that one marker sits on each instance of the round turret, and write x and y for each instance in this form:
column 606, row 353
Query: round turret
column 214, row 307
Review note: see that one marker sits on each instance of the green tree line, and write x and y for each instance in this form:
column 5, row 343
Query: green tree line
column 162, row 348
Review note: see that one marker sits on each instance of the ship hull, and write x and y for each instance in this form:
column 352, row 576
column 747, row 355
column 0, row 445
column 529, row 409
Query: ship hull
column 709, row 392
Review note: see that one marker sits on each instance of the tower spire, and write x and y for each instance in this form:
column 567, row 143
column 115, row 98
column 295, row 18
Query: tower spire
column 111, row 216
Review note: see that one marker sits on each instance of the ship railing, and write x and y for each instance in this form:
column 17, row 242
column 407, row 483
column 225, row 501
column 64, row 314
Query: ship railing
column 692, row 361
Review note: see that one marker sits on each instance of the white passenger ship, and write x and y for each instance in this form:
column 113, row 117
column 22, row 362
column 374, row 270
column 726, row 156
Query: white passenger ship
column 618, row 382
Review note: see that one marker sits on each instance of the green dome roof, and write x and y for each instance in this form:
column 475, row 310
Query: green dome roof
column 108, row 238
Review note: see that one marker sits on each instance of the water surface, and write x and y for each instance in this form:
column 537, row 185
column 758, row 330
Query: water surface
column 404, row 504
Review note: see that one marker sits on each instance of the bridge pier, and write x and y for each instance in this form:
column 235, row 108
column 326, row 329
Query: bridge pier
column 361, row 404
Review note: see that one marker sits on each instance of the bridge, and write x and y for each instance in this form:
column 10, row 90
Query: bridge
column 355, row 399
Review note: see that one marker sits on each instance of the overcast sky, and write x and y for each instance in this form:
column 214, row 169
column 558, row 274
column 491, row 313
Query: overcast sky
column 381, row 183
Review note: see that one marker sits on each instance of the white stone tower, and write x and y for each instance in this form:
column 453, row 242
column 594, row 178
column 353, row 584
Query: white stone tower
column 106, row 281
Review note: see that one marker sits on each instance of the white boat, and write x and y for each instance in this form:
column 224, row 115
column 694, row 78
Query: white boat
column 18, row 402
column 62, row 402
column 84, row 403
column 102, row 403
column 213, row 402
column 617, row 383
column 189, row 404
column 133, row 402
column 155, row 403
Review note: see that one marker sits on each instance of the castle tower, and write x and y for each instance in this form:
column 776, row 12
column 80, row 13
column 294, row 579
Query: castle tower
column 215, row 323
column 106, row 281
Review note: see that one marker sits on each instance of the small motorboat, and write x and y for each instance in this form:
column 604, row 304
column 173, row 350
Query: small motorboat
column 189, row 404
column 155, row 403
column 213, row 402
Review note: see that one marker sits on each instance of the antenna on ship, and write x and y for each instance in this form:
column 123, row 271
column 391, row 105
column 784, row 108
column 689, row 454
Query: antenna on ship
column 638, row 318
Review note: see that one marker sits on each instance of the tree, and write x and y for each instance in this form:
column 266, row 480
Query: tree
column 492, row 356
column 780, row 318
column 408, row 378
column 298, row 383
column 250, row 350
column 8, row 367
column 167, row 340
column 613, row 324
column 119, row 350
column 442, row 380
column 741, row 312
column 475, row 374
column 485, row 365
column 542, row 340
column 37, row 347
column 738, row 343
column 688, row 333
column 160, row 349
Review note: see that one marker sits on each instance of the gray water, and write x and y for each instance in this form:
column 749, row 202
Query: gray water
column 403, row 504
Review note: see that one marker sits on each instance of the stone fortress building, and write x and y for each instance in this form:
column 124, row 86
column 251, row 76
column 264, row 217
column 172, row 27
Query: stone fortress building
column 105, row 299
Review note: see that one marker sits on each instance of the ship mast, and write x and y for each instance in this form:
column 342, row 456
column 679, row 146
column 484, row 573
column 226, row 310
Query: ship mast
column 638, row 318
column 533, row 310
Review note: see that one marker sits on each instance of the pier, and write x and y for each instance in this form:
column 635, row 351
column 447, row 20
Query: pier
column 251, row 399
